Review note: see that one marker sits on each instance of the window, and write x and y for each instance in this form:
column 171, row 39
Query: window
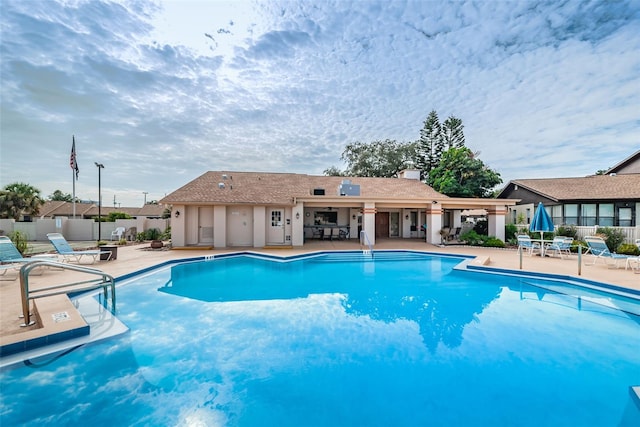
column 588, row 214
column 605, row 215
column 571, row 214
column 556, row 214
column 625, row 217
column 276, row 218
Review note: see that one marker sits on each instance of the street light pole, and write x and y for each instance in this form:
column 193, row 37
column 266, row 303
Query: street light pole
column 100, row 166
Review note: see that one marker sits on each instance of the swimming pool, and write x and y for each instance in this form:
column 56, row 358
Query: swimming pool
column 333, row 340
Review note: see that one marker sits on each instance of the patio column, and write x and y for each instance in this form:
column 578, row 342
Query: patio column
column 434, row 223
column 496, row 217
column 369, row 221
column 219, row 226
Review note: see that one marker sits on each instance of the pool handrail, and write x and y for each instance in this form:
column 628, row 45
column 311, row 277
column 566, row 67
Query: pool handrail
column 104, row 281
column 364, row 239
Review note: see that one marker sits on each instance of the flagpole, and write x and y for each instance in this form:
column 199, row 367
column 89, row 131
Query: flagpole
column 73, row 178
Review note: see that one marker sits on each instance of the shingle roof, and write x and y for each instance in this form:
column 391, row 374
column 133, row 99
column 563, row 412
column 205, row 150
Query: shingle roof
column 596, row 187
column 281, row 188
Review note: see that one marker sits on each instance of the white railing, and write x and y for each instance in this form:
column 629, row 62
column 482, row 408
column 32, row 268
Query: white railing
column 630, row 233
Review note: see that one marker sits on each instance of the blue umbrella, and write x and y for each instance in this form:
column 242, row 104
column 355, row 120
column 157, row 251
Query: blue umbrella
column 541, row 223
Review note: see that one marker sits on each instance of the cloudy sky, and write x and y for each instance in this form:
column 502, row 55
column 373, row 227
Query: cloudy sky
column 161, row 92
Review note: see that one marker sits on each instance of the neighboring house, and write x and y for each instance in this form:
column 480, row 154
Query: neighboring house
column 255, row 209
column 56, row 209
column 610, row 200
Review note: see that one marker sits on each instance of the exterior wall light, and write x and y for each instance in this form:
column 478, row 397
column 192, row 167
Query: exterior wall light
column 177, row 214
column 297, row 215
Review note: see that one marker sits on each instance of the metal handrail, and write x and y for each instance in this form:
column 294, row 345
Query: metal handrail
column 364, row 239
column 105, row 281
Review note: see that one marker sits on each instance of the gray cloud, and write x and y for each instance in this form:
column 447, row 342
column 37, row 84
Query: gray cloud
column 288, row 88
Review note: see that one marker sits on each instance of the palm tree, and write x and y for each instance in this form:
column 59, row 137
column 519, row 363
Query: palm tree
column 19, row 199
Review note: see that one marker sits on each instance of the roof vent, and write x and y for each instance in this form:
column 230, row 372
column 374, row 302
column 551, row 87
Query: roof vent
column 224, row 176
column 221, row 185
column 318, row 191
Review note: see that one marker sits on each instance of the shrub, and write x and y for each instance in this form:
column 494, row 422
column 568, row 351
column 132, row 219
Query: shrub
column 122, row 242
column 510, row 231
column 494, row 242
column 472, row 238
column 19, row 239
column 628, row 249
column 567, row 231
column 167, row 234
column 481, row 227
column 613, row 237
column 140, row 237
column 152, row 234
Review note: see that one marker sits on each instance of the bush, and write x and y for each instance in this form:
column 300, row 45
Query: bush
column 567, row 231
column 628, row 249
column 472, row 238
column 122, row 242
column 20, row 241
column 481, row 227
column 510, row 231
column 612, row 237
column 140, row 237
column 152, row 234
column 494, row 242
column 167, row 234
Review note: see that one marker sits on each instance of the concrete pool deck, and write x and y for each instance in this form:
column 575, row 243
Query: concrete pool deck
column 133, row 258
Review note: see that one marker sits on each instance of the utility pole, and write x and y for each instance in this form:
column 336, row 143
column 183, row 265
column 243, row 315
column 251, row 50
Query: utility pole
column 145, row 197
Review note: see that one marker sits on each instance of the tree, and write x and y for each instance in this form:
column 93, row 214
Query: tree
column 461, row 174
column 19, row 198
column 378, row 158
column 333, row 171
column 59, row 196
column 452, row 134
column 430, row 145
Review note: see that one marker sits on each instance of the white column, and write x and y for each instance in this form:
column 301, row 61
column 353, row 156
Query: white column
column 219, row 226
column 496, row 221
column 297, row 225
column 434, row 223
column 369, row 222
column 259, row 226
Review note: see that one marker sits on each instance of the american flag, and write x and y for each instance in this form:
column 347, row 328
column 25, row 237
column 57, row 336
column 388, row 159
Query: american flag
column 72, row 160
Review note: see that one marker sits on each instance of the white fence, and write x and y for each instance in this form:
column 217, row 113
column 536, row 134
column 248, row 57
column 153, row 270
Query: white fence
column 78, row 229
column 630, row 233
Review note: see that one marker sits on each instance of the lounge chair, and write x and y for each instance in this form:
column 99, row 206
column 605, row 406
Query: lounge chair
column 560, row 245
column 118, row 233
column 598, row 248
column 526, row 244
column 68, row 254
column 633, row 262
column 12, row 259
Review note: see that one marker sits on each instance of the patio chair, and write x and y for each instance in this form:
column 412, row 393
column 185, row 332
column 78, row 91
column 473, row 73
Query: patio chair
column 560, row 245
column 633, row 262
column 12, row 259
column 326, row 233
column 526, row 244
column 118, row 233
column 599, row 250
column 68, row 254
column 335, row 232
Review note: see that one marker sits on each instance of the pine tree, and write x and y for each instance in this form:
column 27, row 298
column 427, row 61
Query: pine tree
column 430, row 144
column 452, row 133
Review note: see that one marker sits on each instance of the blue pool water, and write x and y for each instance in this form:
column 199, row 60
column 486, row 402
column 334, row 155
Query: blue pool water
column 242, row 341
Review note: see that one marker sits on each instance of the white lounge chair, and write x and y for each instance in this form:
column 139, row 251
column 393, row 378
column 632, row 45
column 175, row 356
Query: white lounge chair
column 68, row 254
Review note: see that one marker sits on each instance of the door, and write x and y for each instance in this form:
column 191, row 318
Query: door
column 382, row 225
column 240, row 226
column 205, row 225
column 394, row 224
column 275, row 227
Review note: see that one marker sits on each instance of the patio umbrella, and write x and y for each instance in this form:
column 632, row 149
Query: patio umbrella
column 541, row 223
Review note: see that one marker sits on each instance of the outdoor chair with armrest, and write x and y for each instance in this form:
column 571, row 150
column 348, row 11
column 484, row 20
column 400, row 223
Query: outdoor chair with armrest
column 560, row 245
column 526, row 244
